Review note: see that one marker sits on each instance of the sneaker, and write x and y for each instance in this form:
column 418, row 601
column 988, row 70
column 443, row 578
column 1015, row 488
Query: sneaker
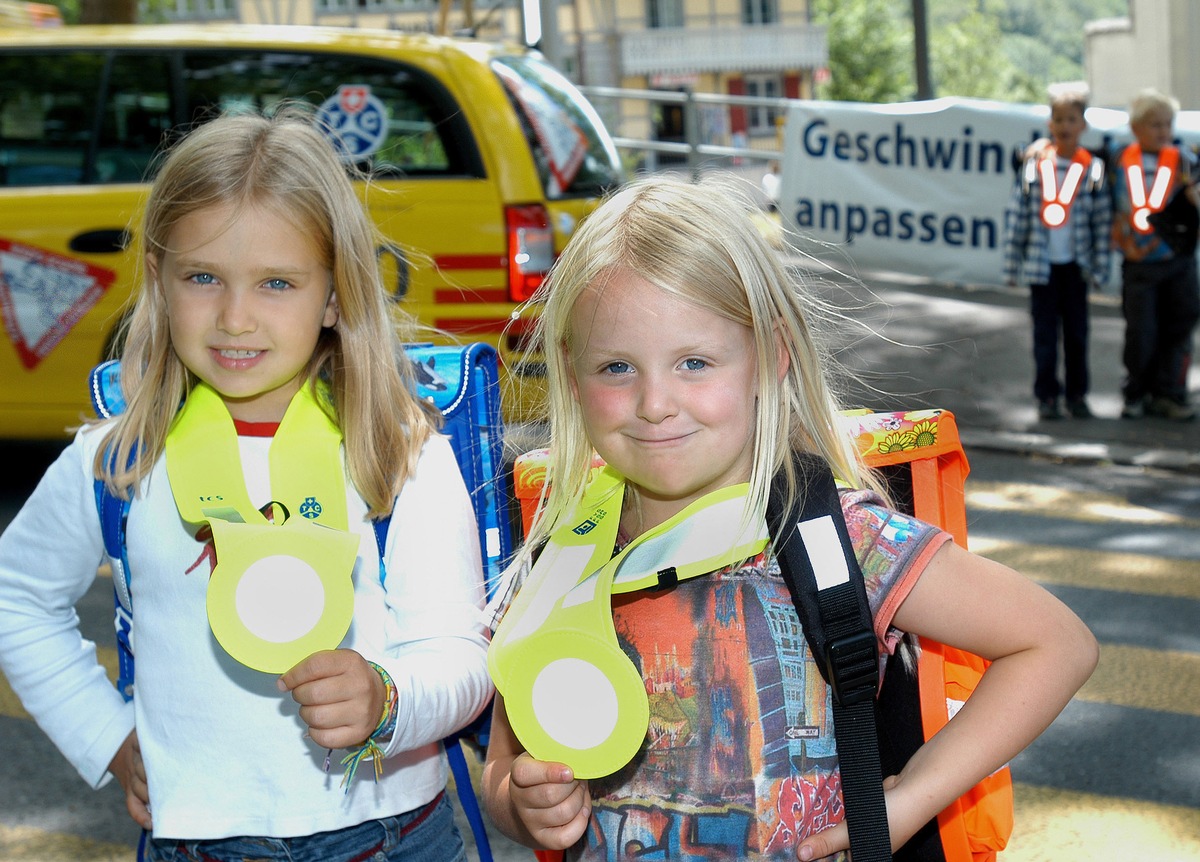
column 1078, row 409
column 1168, row 408
column 1134, row 409
column 1049, row 409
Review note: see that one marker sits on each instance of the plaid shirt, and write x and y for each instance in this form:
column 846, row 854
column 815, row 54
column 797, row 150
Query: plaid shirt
column 1027, row 239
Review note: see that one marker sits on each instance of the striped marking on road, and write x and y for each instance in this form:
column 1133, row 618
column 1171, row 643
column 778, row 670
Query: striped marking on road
column 1095, row 570
column 1137, row 677
column 1089, row 506
column 26, row 844
column 1064, row 826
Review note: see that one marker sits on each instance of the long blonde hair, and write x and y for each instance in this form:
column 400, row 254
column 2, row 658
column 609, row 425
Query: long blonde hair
column 284, row 163
column 697, row 242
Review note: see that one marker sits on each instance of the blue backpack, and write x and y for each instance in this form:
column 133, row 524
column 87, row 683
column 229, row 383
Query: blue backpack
column 463, row 383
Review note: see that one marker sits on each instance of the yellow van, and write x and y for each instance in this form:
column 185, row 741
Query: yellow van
column 485, row 158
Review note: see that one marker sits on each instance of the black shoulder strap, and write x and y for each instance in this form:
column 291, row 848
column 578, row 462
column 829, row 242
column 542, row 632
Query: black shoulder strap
column 826, row 583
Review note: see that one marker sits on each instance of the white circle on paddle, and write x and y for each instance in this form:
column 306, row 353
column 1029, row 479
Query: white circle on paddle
column 280, row 598
column 575, row 703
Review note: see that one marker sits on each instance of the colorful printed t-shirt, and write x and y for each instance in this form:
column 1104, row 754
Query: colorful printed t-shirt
column 739, row 761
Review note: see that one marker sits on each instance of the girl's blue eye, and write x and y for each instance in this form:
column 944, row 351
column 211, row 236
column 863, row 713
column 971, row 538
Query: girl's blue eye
column 203, row 278
column 695, row 364
column 277, row 284
column 617, row 368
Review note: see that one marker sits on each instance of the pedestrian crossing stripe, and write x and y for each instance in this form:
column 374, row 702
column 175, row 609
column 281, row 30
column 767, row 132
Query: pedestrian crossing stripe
column 1055, row 825
column 1162, row 680
column 1115, row 571
column 26, row 844
column 1066, row 505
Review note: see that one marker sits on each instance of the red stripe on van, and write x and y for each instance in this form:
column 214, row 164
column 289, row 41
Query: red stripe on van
column 449, row 295
column 471, row 261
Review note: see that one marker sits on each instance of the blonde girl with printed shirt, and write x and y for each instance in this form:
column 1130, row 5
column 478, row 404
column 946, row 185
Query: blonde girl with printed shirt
column 679, row 350
column 262, row 312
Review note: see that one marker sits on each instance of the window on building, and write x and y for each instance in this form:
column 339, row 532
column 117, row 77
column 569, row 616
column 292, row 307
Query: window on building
column 198, row 10
column 664, row 13
column 761, row 119
column 760, row 11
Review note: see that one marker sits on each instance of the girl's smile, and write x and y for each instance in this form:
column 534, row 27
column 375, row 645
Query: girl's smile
column 667, row 390
column 247, row 296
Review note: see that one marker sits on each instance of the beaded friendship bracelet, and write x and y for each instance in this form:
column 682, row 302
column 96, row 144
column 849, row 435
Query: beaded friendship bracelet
column 370, row 749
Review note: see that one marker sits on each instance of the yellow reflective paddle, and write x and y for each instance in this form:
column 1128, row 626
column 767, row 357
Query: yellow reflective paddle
column 279, row 592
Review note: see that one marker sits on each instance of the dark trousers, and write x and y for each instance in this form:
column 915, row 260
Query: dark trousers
column 1060, row 305
column 1161, row 302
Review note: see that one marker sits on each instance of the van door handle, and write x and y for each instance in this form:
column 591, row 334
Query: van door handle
column 103, row 241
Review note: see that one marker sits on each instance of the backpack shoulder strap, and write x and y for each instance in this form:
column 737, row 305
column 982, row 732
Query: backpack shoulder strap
column 114, row 516
column 822, row 573
column 104, row 388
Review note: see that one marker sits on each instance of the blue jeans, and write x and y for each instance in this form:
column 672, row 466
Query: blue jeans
column 427, row 834
column 1161, row 302
column 1060, row 305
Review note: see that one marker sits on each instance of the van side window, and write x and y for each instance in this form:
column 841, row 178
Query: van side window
column 389, row 118
column 47, row 109
column 137, row 115
column 49, row 132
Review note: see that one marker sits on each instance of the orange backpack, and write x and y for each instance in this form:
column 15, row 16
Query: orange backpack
column 921, row 456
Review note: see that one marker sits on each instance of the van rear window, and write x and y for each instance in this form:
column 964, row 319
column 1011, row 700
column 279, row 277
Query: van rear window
column 574, row 154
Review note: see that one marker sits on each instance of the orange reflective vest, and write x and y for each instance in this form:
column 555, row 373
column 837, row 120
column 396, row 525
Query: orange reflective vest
column 1056, row 202
column 1143, row 204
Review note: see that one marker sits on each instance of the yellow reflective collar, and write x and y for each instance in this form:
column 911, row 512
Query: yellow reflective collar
column 205, row 467
column 279, row 592
column 570, row 692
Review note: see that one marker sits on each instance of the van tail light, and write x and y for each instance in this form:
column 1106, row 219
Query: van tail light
column 530, row 249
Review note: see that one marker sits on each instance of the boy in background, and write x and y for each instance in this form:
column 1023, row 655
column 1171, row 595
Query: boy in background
column 1160, row 293
column 1057, row 241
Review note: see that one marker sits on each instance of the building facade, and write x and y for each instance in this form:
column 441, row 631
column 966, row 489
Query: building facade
column 1154, row 46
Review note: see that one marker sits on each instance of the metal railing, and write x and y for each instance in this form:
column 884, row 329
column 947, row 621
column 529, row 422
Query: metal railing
column 698, row 148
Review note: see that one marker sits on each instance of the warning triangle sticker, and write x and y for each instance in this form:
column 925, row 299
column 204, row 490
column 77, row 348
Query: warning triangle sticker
column 43, row 295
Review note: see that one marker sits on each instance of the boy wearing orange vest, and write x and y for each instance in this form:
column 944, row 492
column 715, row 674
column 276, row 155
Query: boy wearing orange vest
column 1057, row 240
column 1160, row 292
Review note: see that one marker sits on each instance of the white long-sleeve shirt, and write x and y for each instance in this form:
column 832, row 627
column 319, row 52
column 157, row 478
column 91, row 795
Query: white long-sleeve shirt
column 225, row 752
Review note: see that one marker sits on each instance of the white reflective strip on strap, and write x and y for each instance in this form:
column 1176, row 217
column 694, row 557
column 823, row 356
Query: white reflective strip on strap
column 120, row 579
column 1163, row 180
column 1071, row 182
column 825, row 551
column 1137, row 189
column 561, row 574
column 1049, row 180
column 704, row 535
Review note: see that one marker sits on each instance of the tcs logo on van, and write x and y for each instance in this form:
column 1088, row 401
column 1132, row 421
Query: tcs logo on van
column 354, row 120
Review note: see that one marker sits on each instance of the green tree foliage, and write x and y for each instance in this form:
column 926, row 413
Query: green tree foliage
column 870, row 51
column 1009, row 50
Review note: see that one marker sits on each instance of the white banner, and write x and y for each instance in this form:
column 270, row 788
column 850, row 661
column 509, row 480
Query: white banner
column 919, row 187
